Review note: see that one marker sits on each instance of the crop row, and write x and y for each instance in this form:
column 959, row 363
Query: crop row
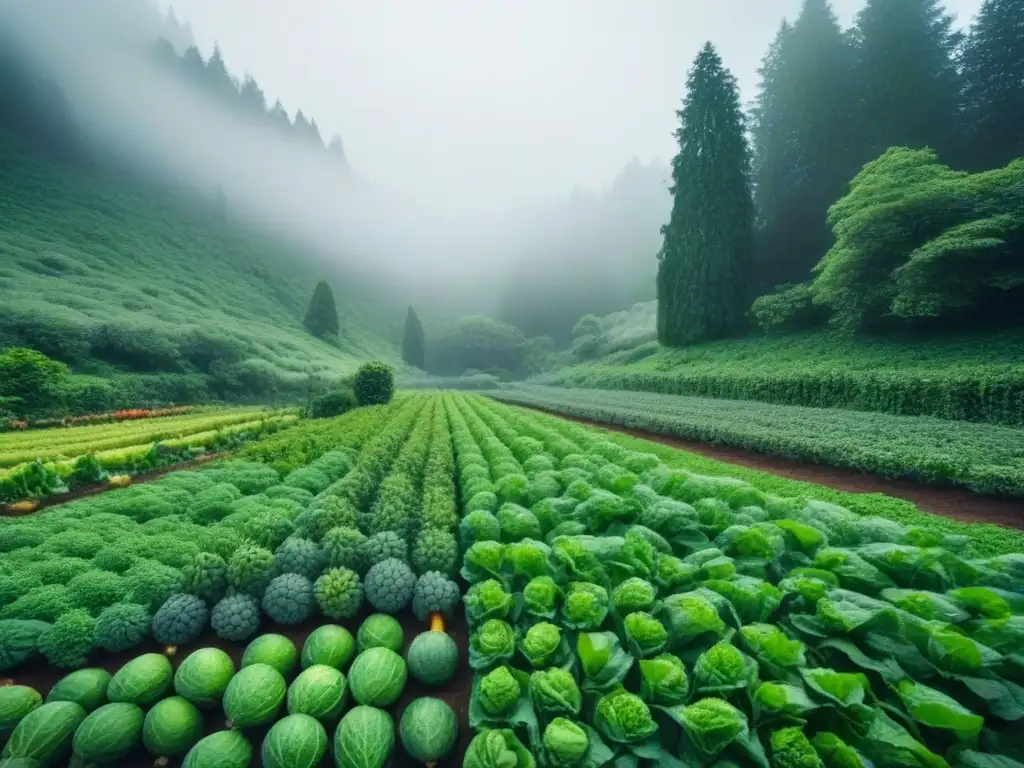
column 982, row 457
column 624, row 612
column 59, row 442
column 130, row 414
column 39, row 479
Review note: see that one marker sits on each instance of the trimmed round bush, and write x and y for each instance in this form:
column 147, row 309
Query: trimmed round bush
column 289, row 599
column 374, row 383
column 339, row 593
column 377, row 677
column 389, row 585
column 236, row 618
column 380, row 630
column 333, row 403
column 180, row 620
column 301, row 556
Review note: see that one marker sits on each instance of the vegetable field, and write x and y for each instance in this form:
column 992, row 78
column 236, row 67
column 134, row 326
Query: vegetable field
column 987, row 458
column 37, row 463
column 449, row 580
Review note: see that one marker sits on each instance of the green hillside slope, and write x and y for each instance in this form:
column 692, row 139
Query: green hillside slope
column 162, row 298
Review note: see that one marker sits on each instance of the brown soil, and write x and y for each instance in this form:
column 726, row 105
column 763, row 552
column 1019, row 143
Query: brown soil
column 6, row 510
column 42, row 677
column 955, row 503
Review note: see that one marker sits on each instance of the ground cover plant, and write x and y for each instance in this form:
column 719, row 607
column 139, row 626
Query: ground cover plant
column 637, row 614
column 969, row 377
column 982, row 457
column 39, row 463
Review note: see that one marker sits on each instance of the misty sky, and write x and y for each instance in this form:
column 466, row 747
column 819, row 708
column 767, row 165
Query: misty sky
column 467, row 103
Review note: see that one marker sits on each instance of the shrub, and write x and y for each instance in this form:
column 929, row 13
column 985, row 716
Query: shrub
column 790, row 308
column 374, row 384
column 333, row 403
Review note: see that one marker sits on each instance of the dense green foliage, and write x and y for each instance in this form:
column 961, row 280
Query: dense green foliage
column 477, row 344
column 321, row 318
column 374, row 383
column 413, row 341
column 982, row 457
column 967, row 378
column 727, row 623
column 708, row 239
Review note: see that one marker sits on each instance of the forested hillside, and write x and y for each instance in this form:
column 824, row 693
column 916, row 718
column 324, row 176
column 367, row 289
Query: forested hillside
column 153, row 290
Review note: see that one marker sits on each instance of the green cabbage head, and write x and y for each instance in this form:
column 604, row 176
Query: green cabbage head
column 624, row 718
column 565, row 742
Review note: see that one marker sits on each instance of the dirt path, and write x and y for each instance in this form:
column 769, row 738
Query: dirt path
column 955, row 503
column 92, row 490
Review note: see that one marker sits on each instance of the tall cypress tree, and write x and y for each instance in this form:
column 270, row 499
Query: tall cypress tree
column 994, row 85
column 705, row 260
column 803, row 141
column 907, row 78
column 322, row 317
column 413, row 343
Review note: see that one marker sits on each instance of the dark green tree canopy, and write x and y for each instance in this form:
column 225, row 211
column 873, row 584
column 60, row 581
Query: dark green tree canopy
column 477, row 343
column 704, row 272
column 322, row 317
column 413, row 341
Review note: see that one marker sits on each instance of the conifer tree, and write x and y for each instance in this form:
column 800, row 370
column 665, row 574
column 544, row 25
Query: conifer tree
column 803, row 141
column 705, row 261
column 322, row 317
column 994, row 85
column 413, row 343
column 907, row 80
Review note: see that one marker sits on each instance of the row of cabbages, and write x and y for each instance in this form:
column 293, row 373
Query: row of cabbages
column 653, row 616
column 226, row 546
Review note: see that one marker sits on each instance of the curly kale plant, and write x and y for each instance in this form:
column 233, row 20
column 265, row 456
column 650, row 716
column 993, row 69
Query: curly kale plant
column 339, row 593
column 180, row 620
column 289, row 599
column 206, row 576
column 236, row 618
column 390, row 585
column 68, row 642
column 300, row 556
column 122, row 626
column 435, row 550
column 251, row 569
column 152, row 583
column 345, row 547
column 434, row 593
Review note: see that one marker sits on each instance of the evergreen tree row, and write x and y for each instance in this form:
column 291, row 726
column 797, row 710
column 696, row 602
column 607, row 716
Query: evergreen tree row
column 752, row 195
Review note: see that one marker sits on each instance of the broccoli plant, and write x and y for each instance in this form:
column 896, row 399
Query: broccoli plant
column 339, row 593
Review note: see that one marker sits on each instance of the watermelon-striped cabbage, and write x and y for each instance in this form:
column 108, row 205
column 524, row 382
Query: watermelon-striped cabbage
column 330, row 645
column 172, row 727
column 377, row 677
column 87, row 687
column 224, row 749
column 432, row 658
column 319, row 692
column 428, row 729
column 365, row 738
column 45, row 733
column 254, row 696
column 203, row 676
column 295, row 741
column 16, row 701
column 275, row 650
column 109, row 733
column 143, row 680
